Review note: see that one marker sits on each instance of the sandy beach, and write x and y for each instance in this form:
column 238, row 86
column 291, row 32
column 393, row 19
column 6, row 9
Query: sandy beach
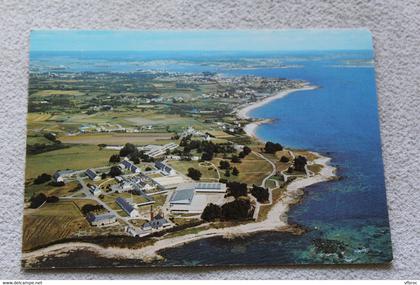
column 243, row 112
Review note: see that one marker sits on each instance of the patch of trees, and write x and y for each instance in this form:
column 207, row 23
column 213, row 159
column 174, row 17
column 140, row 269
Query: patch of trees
column 224, row 164
column 271, row 147
column 115, row 171
column 239, row 209
column 260, row 193
column 211, row 212
column 235, row 171
column 299, row 163
column 194, row 174
column 235, row 159
column 245, row 151
column 41, row 198
column 237, row 189
column 115, row 158
column 86, row 209
column 129, row 150
column 52, row 199
column 41, row 147
column 284, row 159
column 44, row 177
column 51, row 137
column 205, row 146
column 207, row 156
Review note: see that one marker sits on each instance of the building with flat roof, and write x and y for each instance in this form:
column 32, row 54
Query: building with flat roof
column 211, row 187
column 194, row 197
column 101, row 220
column 127, row 207
column 168, row 182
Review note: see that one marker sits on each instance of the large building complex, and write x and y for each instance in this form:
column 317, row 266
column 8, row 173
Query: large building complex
column 194, row 197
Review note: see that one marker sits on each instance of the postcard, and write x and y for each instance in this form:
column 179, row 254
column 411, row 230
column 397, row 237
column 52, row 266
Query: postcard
column 203, row 148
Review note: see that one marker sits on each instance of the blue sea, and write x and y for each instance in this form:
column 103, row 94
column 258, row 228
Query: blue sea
column 339, row 119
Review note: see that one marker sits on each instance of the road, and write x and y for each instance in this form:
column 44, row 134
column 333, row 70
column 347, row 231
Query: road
column 273, row 171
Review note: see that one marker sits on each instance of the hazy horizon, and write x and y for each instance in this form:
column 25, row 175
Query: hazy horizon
column 202, row 40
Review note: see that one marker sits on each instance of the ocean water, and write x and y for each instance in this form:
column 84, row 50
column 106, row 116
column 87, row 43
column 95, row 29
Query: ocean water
column 339, row 119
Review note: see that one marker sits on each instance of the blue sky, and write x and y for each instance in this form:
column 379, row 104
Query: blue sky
column 201, row 40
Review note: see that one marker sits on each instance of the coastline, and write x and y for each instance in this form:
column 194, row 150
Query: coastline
column 243, row 112
column 276, row 219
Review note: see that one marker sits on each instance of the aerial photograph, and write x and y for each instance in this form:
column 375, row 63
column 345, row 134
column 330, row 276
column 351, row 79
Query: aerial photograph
column 162, row 148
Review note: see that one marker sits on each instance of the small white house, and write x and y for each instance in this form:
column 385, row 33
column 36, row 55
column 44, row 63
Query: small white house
column 95, row 190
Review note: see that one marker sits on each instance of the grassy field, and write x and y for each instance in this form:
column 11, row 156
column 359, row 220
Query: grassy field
column 208, row 172
column 316, row 168
column 118, row 138
column 49, row 190
column 51, row 222
column 75, row 157
column 252, row 170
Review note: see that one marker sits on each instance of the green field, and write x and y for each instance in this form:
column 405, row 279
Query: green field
column 252, row 170
column 76, row 157
column 208, row 172
column 119, row 138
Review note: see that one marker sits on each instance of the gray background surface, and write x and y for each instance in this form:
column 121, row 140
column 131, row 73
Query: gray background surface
column 395, row 27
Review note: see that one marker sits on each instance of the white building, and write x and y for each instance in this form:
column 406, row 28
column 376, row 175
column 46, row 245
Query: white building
column 95, row 190
column 194, row 197
column 59, row 175
column 168, row 182
column 101, row 220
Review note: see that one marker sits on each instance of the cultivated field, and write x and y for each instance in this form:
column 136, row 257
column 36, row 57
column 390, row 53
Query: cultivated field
column 50, row 223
